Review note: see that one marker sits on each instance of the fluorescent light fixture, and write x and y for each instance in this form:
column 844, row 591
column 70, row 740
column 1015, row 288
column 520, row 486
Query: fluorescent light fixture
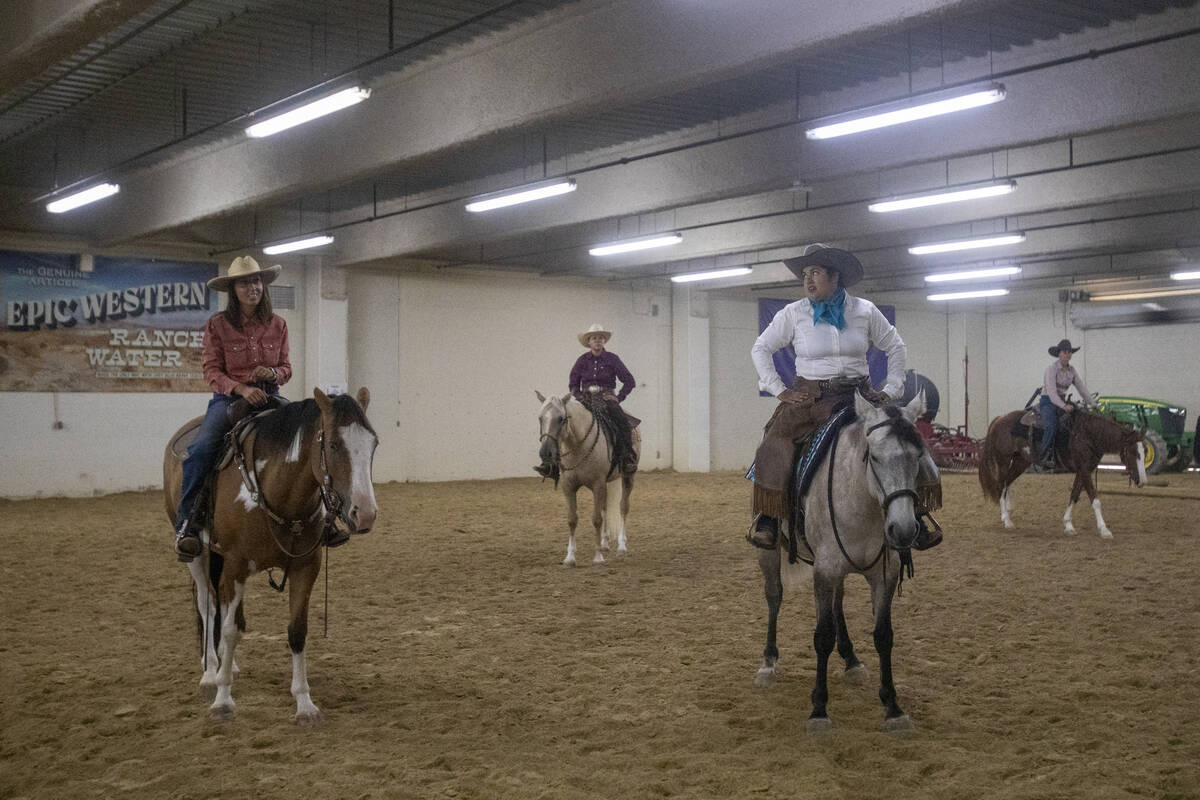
column 949, row 195
column 78, row 199
column 968, row 295
column 523, row 194
column 308, row 112
column 711, row 274
column 1154, row 306
column 1185, row 276
column 907, row 110
column 972, row 274
column 636, row 244
column 1146, row 295
column 299, row 244
column 966, row 244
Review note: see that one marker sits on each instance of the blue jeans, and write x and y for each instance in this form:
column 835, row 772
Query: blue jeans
column 1049, row 413
column 202, row 452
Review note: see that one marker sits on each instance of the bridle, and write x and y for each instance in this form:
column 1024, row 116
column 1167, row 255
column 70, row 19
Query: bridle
column 331, row 502
column 885, row 503
column 556, row 434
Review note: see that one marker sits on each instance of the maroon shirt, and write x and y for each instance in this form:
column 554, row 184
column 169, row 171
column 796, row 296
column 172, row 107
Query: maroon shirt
column 603, row 371
column 230, row 355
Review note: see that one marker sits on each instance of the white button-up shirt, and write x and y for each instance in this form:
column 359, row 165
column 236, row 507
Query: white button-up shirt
column 824, row 352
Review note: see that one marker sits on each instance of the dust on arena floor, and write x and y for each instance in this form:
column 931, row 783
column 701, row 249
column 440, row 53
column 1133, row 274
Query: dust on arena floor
column 462, row 660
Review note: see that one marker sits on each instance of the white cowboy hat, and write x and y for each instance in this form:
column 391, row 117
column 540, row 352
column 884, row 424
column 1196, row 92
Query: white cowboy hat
column 243, row 267
column 596, row 328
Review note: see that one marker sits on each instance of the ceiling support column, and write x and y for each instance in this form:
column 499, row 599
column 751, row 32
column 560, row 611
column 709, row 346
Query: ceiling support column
column 690, row 380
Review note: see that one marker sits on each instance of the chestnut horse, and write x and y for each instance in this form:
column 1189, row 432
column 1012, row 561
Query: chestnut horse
column 299, row 469
column 1008, row 452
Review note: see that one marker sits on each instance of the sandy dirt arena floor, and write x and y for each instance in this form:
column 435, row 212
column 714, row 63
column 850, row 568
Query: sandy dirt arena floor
column 463, row 660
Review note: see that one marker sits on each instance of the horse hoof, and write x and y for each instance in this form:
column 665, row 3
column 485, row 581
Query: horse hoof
column 818, row 726
column 856, row 675
column 766, row 677
column 1009, row 525
column 308, row 719
column 622, row 551
column 222, row 713
column 901, row 724
column 599, row 559
column 208, row 691
column 1070, row 531
column 568, row 562
column 1105, row 534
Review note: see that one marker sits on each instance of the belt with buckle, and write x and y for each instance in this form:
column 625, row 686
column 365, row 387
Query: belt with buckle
column 840, row 384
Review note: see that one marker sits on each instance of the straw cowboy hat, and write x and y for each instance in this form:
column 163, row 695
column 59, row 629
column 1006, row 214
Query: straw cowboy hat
column 596, row 328
column 1065, row 344
column 840, row 261
column 243, row 267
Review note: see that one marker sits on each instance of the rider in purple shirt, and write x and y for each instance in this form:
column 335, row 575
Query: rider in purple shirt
column 601, row 369
column 593, row 381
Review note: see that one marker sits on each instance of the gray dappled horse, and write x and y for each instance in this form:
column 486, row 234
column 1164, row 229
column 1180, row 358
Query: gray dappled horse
column 1008, row 452
column 299, row 467
column 860, row 509
column 571, row 438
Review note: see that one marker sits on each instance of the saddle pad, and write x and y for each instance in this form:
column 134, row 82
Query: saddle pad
column 817, row 448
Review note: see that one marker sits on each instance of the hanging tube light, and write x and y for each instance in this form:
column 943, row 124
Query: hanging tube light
column 521, row 194
column 910, row 109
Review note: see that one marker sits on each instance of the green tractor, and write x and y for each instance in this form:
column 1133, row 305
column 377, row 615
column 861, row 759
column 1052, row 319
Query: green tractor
column 1168, row 445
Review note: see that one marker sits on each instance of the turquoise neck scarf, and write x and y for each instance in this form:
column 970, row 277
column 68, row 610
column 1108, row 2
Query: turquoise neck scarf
column 831, row 311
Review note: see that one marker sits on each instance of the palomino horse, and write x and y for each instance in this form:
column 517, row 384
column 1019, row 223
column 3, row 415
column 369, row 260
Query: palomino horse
column 572, row 439
column 298, row 469
column 1007, row 453
column 860, row 511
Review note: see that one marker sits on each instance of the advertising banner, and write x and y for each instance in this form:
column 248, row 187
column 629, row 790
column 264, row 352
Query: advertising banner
column 124, row 325
column 785, row 359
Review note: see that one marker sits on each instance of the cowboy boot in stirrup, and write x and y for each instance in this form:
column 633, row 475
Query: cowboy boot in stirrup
column 927, row 536
column 764, row 532
column 187, row 543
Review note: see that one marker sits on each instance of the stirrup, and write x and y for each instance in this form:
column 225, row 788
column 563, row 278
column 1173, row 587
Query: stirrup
column 187, row 546
column 752, row 535
column 927, row 535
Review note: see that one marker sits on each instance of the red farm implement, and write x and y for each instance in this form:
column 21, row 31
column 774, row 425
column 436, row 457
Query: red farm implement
column 952, row 449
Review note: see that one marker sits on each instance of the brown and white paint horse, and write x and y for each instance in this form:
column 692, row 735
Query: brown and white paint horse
column 1007, row 454
column 299, row 466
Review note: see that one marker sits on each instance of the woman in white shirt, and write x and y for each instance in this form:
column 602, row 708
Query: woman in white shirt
column 831, row 331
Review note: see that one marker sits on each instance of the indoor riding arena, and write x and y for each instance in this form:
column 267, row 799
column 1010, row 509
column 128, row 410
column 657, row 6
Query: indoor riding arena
column 458, row 245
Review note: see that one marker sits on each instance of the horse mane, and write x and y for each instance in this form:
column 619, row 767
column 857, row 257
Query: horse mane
column 907, row 431
column 276, row 430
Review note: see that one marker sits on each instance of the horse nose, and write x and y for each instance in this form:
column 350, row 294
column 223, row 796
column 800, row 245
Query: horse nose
column 362, row 520
column 546, row 451
column 901, row 534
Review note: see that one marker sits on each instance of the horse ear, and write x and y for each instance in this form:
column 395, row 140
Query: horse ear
column 363, row 397
column 541, row 397
column 323, row 400
column 915, row 407
column 565, row 398
column 862, row 406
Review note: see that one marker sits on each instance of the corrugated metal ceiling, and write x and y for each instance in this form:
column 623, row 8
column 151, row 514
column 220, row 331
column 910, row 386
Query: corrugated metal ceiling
column 177, row 74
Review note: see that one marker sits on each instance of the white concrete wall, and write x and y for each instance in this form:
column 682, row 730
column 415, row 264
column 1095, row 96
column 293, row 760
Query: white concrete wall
column 452, row 362
column 109, row 442
column 1158, row 362
column 448, row 354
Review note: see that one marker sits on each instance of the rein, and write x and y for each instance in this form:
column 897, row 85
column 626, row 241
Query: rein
column 583, row 438
column 330, row 504
column 833, row 517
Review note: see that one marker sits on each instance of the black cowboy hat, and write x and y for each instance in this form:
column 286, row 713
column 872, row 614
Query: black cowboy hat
column 840, row 261
column 1065, row 344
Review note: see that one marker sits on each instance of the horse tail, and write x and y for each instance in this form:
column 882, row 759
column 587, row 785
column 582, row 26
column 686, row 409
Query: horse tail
column 989, row 464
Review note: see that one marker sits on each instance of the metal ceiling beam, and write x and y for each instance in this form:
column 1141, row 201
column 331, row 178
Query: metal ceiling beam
column 1158, row 81
column 603, row 55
